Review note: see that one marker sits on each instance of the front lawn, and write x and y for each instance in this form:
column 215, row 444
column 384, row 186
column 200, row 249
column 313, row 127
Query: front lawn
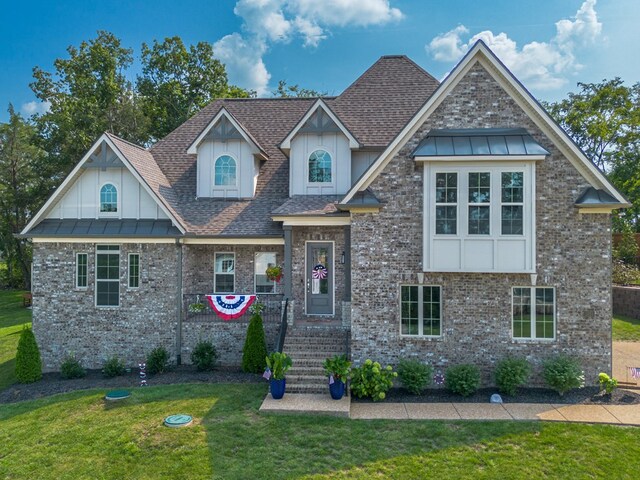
column 78, row 436
column 13, row 316
column 626, row 329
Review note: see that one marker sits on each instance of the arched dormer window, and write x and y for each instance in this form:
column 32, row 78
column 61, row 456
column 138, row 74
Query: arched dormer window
column 108, row 198
column 320, row 167
column 225, row 171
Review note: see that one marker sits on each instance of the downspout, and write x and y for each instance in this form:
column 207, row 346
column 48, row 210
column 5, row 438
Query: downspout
column 180, row 310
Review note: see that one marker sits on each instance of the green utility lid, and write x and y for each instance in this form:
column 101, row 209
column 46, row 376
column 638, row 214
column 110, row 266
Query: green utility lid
column 117, row 395
column 179, row 420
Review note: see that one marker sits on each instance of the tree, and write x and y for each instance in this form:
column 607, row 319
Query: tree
column 288, row 91
column 254, row 351
column 28, row 363
column 88, row 94
column 25, row 184
column 604, row 120
column 177, row 82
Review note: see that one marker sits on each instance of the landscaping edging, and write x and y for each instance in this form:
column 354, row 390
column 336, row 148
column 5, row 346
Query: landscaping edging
column 626, row 301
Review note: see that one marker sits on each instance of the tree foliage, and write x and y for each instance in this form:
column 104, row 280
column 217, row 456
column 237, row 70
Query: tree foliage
column 25, row 183
column 289, row 91
column 604, row 121
column 177, row 81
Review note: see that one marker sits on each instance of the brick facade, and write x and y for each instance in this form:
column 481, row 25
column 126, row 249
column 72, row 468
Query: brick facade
column 573, row 255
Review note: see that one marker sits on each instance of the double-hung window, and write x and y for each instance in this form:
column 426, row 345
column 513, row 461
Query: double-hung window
column 479, row 218
column 224, row 273
column 533, row 312
column 107, row 275
column 263, row 260
column 446, row 203
column 512, row 190
column 81, row 270
column 421, row 310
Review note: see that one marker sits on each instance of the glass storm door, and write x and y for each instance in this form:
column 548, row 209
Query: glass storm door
column 319, row 276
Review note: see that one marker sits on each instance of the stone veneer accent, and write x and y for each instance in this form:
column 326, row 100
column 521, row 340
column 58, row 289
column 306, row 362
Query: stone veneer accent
column 626, row 301
column 573, row 255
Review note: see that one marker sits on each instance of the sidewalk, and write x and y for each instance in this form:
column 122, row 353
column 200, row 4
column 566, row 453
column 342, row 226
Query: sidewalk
column 322, row 404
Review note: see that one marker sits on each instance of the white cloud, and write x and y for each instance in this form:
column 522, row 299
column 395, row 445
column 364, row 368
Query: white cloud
column 279, row 21
column 543, row 65
column 35, row 107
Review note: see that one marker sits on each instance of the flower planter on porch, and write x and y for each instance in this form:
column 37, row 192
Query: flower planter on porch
column 277, row 388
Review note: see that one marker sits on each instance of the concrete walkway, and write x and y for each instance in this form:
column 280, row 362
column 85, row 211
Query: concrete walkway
column 323, row 404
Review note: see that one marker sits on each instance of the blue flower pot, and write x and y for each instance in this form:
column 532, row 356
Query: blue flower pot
column 336, row 389
column 277, row 388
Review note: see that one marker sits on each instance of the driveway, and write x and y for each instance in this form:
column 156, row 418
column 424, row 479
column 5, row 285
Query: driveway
column 625, row 354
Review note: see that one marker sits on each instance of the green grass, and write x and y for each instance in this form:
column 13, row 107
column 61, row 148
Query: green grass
column 79, row 436
column 626, row 329
column 13, row 316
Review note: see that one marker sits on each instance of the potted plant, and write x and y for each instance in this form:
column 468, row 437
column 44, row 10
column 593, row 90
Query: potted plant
column 274, row 273
column 277, row 366
column 338, row 369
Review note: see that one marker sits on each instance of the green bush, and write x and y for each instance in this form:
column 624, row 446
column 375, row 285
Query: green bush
column 415, row 376
column 204, row 356
column 71, row 368
column 114, row 367
column 562, row 374
column 28, row 363
column 371, row 380
column 627, row 248
column 254, row 350
column 511, row 373
column 624, row 274
column 462, row 379
column 158, row 360
column 607, row 383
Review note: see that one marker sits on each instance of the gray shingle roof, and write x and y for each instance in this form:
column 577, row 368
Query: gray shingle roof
column 309, row 205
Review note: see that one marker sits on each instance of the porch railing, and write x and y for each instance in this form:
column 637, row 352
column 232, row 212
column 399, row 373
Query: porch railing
column 283, row 326
column 270, row 315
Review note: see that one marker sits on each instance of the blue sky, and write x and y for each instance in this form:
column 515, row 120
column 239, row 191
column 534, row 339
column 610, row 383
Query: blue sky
column 326, row 44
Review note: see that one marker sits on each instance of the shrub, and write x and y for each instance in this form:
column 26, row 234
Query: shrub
column 562, row 374
column 462, row 379
column 278, row 363
column 607, row 383
column 254, row 350
column 415, row 376
column 71, row 368
column 204, row 356
column 511, row 373
column 627, row 248
column 624, row 274
column 114, row 367
column 158, row 360
column 371, row 380
column 338, row 366
column 28, row 363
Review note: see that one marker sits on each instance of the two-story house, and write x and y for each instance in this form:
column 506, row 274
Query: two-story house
column 453, row 222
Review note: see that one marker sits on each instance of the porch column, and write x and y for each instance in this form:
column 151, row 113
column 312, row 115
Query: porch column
column 347, row 263
column 288, row 262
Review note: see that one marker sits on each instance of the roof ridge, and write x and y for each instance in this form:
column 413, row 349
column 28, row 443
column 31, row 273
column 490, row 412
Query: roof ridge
column 113, row 135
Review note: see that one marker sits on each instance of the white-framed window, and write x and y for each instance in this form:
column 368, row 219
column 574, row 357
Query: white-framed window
column 263, row 260
column 533, row 312
column 108, row 198
column 479, row 216
column 107, row 276
column 134, row 270
column 82, row 260
column 224, row 276
column 225, row 171
column 421, row 310
column 320, row 167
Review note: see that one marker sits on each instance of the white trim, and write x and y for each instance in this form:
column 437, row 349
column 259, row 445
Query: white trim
column 311, row 220
column 193, row 148
column 286, row 143
column 96, row 280
column 74, row 174
column 118, row 212
column 215, row 288
column 129, row 270
column 480, row 158
column 420, row 311
column 232, row 241
column 255, row 280
column 589, row 210
column 333, row 270
column 532, row 293
column 480, row 53
column 78, row 287
column 101, row 240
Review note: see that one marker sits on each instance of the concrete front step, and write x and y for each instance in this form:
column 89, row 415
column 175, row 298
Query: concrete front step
column 293, row 379
column 307, row 388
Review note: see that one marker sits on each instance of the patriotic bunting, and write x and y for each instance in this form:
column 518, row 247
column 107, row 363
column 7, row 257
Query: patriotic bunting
column 230, row 307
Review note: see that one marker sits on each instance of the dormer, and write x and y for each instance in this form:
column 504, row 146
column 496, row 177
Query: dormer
column 228, row 159
column 319, row 149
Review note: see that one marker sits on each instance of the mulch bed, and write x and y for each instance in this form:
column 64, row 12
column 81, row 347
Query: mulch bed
column 52, row 383
column 586, row 396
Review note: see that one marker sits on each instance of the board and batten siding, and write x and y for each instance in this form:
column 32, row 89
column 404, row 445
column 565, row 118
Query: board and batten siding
column 304, row 145
column 361, row 161
column 82, row 200
column 247, row 168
